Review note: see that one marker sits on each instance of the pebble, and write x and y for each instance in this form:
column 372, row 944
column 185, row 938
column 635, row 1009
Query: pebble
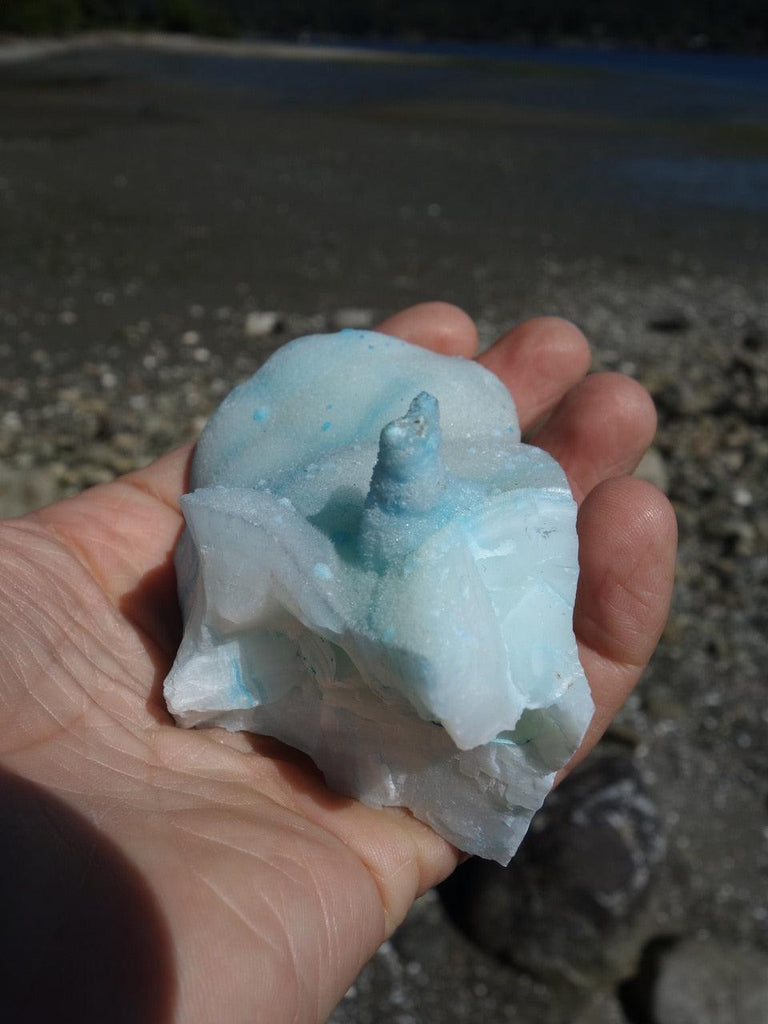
column 668, row 321
column 353, row 318
column 653, row 469
column 569, row 906
column 603, row 1009
column 27, row 489
column 708, row 982
column 262, row 324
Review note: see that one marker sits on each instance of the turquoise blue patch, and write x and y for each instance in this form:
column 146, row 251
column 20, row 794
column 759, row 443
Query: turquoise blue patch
column 240, row 695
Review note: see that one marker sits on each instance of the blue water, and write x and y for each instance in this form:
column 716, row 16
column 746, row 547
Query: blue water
column 682, row 83
column 659, row 101
column 729, row 183
column 683, row 89
column 709, row 65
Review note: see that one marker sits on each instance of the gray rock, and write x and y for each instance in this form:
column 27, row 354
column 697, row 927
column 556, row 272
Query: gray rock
column 354, row 318
column 429, row 972
column 653, row 468
column 756, row 339
column 707, row 982
column 603, row 1009
column 668, row 321
column 24, row 490
column 569, row 907
column 380, row 992
column 262, row 324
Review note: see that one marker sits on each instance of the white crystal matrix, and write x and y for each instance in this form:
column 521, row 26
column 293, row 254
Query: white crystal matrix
column 375, row 570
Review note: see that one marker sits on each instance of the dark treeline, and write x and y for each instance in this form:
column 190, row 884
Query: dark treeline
column 703, row 24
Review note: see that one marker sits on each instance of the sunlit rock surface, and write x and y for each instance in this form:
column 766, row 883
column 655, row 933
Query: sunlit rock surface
column 376, row 571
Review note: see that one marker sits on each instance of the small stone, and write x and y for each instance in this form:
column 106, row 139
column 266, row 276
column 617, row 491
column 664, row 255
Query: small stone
column 668, row 321
column 69, row 396
column 570, row 905
column 68, row 317
column 353, row 318
column 653, row 469
column 693, row 399
column 604, row 1008
column 90, row 474
column 11, row 420
column 708, row 982
column 755, row 340
column 262, row 324
column 122, row 463
column 662, row 707
column 24, row 490
column 733, row 461
column 190, row 338
column 124, row 441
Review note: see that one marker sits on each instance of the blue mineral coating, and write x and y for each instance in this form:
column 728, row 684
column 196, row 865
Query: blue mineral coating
column 409, row 476
column 397, row 584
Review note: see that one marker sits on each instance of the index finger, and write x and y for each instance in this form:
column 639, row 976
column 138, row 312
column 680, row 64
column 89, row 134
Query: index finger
column 539, row 361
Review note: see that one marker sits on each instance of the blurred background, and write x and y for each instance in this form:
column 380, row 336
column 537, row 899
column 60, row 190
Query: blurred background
column 185, row 185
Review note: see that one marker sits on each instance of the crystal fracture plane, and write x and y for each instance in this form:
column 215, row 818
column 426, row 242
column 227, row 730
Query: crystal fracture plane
column 378, row 572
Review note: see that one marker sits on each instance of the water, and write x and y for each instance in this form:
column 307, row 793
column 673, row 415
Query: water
column 702, row 119
column 686, row 82
column 724, row 182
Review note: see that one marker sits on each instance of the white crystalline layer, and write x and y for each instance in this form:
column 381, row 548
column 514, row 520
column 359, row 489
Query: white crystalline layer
column 412, row 636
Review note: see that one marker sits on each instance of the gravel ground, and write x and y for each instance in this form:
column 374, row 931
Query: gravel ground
column 152, row 218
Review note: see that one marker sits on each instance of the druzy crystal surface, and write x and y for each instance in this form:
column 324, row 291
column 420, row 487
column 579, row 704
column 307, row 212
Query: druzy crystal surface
column 378, row 572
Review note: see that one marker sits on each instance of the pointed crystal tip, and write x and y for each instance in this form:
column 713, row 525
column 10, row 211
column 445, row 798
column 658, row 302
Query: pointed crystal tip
column 409, row 476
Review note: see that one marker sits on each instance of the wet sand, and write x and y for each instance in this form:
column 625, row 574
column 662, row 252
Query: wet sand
column 135, row 181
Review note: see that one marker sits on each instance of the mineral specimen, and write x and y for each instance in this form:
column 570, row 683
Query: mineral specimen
column 376, row 571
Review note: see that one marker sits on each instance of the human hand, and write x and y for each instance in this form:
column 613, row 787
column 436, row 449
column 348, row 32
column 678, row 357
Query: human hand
column 241, row 888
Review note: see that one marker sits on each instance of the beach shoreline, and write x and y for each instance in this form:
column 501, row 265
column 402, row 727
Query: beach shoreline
column 21, row 49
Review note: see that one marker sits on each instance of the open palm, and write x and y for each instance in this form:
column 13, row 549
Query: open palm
column 231, row 884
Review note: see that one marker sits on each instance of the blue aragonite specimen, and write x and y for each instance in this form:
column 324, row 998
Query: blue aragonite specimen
column 375, row 570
